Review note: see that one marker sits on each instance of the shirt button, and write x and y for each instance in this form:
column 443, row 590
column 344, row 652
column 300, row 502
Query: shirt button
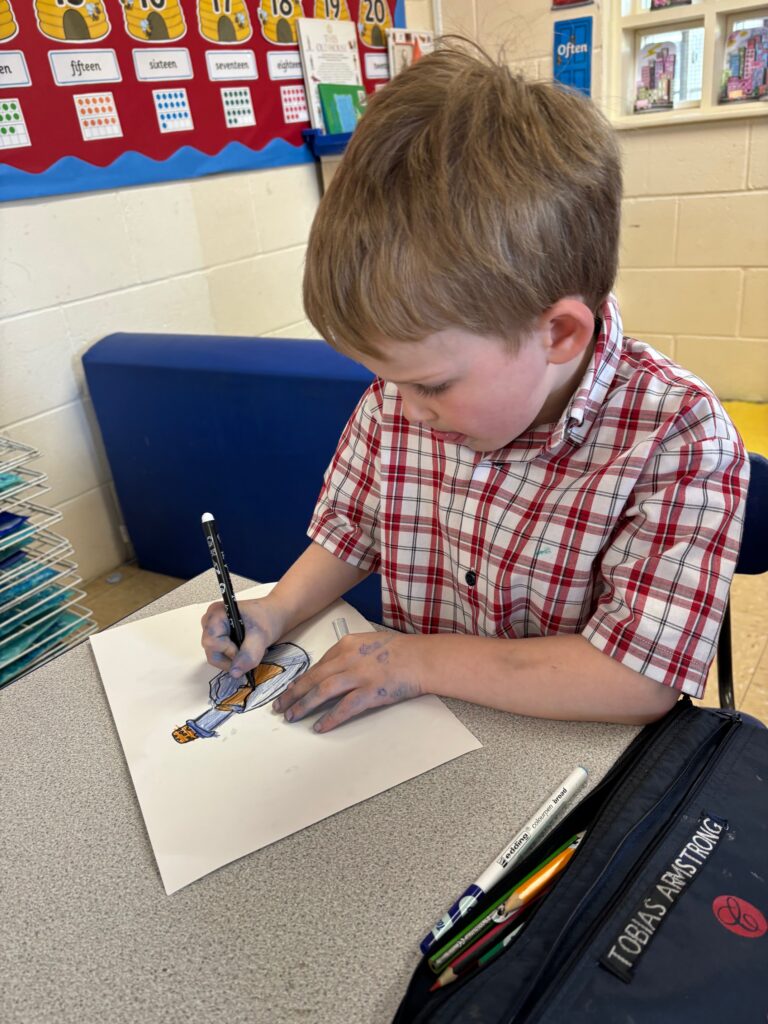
column 471, row 578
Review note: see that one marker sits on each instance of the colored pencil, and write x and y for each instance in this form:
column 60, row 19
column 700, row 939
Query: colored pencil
column 528, row 890
column 531, row 833
column 490, row 917
column 450, row 974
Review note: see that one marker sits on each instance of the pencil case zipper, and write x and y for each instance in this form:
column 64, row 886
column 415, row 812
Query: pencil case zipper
column 536, row 1002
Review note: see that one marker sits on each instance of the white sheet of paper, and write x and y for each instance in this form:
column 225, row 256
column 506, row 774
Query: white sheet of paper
column 209, row 802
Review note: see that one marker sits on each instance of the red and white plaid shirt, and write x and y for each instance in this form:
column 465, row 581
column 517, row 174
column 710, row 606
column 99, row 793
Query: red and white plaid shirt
column 620, row 523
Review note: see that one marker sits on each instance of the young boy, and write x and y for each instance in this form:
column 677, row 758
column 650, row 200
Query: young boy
column 554, row 509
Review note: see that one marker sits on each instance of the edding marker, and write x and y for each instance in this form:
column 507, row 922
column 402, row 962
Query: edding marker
column 528, row 836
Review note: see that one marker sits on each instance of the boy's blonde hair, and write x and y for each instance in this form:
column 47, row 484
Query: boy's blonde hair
column 467, row 198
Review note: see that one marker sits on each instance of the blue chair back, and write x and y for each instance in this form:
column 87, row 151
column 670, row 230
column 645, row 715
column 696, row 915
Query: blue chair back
column 240, row 427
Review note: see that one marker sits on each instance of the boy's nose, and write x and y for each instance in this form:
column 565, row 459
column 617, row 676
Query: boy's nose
column 415, row 412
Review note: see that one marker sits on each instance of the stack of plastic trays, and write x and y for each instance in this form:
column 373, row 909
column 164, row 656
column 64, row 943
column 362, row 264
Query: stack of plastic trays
column 40, row 610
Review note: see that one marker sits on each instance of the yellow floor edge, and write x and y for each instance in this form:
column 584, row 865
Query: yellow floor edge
column 751, row 419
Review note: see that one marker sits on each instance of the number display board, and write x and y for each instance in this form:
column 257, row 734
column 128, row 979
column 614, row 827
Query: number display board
column 98, row 94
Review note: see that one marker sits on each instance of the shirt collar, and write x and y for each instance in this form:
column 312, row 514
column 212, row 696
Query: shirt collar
column 590, row 395
column 580, row 413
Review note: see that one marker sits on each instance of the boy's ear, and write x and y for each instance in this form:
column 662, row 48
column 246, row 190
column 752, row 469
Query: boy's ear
column 568, row 327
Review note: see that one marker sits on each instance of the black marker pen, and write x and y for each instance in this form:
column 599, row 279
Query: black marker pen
column 236, row 627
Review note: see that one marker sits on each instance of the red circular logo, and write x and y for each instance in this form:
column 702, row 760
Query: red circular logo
column 740, row 917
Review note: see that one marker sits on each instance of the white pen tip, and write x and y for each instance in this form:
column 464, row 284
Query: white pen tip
column 207, row 517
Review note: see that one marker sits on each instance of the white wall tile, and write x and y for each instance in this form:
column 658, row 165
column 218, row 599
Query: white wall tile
column 36, row 362
column 90, row 523
column 284, row 205
column 226, row 223
column 303, row 330
column 161, row 225
column 262, row 294
column 178, row 305
column 59, row 250
column 72, row 455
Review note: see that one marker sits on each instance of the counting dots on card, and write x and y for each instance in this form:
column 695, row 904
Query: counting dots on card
column 13, row 130
column 97, row 114
column 294, row 101
column 238, row 107
column 172, row 109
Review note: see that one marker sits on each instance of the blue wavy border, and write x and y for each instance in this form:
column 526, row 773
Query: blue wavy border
column 70, row 174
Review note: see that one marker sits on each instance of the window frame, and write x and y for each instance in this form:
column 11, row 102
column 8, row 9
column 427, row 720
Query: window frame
column 624, row 20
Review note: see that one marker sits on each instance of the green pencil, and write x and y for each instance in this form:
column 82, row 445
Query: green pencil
column 475, row 927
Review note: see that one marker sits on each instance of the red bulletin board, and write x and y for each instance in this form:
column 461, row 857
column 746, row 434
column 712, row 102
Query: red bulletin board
column 102, row 93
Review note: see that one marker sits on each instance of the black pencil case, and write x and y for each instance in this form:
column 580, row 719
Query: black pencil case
column 662, row 914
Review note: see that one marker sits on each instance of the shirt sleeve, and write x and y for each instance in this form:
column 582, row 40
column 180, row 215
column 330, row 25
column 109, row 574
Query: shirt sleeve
column 346, row 517
column 663, row 582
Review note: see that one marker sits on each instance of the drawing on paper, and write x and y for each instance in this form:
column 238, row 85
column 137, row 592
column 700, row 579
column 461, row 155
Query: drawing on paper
column 281, row 665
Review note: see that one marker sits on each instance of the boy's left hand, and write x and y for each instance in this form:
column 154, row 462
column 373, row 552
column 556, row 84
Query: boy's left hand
column 362, row 671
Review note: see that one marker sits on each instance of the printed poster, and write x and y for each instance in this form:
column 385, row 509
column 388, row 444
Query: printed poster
column 98, row 94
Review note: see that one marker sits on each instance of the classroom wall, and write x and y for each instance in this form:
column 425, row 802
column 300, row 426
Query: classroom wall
column 220, row 254
column 224, row 254
column 694, row 261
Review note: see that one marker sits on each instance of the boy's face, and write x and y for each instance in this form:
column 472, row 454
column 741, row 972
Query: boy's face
column 471, row 389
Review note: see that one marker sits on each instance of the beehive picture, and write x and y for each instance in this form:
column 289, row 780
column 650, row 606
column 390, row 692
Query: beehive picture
column 8, row 27
column 332, row 9
column 278, row 20
column 374, row 18
column 154, row 21
column 224, row 21
column 72, row 21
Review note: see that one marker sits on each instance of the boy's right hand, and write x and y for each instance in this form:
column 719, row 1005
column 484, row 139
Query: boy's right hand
column 262, row 628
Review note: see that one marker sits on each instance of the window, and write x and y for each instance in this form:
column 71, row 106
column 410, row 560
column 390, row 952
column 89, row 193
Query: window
column 670, row 61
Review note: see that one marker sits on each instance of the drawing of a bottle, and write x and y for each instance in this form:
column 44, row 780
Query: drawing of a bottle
column 154, row 21
column 332, row 9
column 72, row 20
column 374, row 17
column 224, row 21
column 8, row 27
column 278, row 20
column 282, row 664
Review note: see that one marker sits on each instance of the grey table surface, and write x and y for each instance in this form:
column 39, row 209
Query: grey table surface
column 322, row 926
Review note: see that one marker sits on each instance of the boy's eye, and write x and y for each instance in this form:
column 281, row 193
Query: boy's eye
column 430, row 389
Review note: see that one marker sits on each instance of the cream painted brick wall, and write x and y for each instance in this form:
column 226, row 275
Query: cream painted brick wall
column 221, row 254
column 754, row 310
column 758, row 155
column 700, row 302
column 261, row 294
column 694, row 220
column 648, row 231
column 728, row 230
column 418, row 14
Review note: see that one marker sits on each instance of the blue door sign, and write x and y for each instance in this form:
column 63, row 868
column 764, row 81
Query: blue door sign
column 572, row 54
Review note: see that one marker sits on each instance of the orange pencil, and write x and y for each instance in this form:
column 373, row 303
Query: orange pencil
column 524, row 893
